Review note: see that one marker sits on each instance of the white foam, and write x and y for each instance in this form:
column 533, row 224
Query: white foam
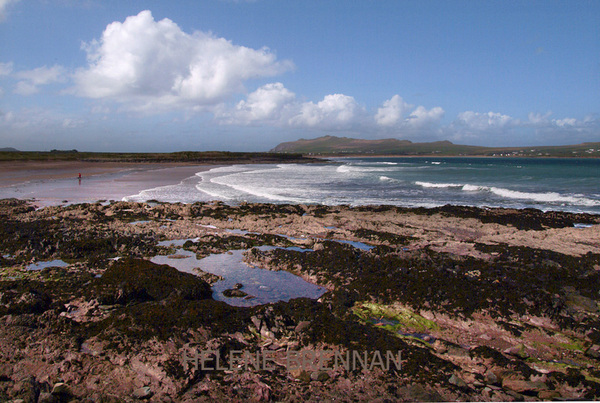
column 438, row 185
column 258, row 191
column 360, row 170
column 546, row 197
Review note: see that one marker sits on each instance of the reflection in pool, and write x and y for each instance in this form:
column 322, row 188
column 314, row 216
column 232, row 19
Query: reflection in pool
column 43, row 265
column 264, row 285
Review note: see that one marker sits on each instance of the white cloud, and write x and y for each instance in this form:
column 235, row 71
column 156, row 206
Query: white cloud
column 493, row 128
column 7, row 117
column 566, row 122
column 32, row 79
column 421, row 117
column 392, row 112
column 275, row 105
column 150, row 64
column 538, row 118
column 334, row 111
column 6, row 68
column 484, row 121
column 4, row 6
column 398, row 114
column 268, row 103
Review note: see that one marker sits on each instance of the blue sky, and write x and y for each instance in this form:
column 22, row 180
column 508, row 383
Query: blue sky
column 247, row 75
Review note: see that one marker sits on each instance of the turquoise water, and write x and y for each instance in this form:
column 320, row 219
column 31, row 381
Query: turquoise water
column 545, row 183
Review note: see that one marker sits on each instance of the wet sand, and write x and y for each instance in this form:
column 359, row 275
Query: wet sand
column 52, row 183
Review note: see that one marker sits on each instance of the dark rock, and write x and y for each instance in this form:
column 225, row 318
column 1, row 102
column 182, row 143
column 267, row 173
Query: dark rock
column 60, row 388
column 138, row 280
column 492, row 378
column 47, row 397
column 521, row 386
column 302, row 326
column 593, row 351
column 29, row 389
column 457, row 381
column 300, row 375
column 419, row 393
column 234, row 293
column 320, row 376
column 517, row 351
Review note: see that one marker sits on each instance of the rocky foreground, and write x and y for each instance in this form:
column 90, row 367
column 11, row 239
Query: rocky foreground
column 480, row 304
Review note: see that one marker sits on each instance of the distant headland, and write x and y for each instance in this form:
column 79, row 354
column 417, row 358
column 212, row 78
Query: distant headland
column 337, row 146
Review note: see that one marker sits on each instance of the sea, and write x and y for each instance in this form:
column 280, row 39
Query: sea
column 567, row 184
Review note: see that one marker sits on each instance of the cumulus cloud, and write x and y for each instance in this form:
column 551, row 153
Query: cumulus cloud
column 154, row 64
column 275, row 105
column 540, row 121
column 334, row 111
column 4, row 6
column 392, row 112
column 32, row 79
column 484, row 121
column 496, row 128
column 398, row 114
column 482, row 126
column 269, row 103
column 538, row 118
column 421, row 117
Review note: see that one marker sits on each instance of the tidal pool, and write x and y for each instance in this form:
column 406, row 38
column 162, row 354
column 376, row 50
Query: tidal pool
column 264, row 286
column 43, row 265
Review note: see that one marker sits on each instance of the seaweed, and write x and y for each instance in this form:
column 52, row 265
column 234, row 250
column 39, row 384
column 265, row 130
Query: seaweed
column 137, row 280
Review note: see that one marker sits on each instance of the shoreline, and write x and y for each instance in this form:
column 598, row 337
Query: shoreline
column 26, row 171
column 325, row 156
column 58, row 182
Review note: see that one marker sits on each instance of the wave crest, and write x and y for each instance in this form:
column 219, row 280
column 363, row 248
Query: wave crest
column 547, row 197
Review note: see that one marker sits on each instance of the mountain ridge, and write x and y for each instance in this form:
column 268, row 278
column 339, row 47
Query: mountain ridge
column 332, row 145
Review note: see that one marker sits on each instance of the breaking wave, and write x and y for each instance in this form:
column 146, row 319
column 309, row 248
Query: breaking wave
column 545, row 197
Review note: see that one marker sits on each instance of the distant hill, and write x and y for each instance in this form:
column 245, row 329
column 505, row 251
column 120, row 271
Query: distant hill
column 8, row 149
column 332, row 145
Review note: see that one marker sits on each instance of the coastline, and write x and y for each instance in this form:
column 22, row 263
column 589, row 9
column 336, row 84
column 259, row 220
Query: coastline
column 51, row 183
column 339, row 156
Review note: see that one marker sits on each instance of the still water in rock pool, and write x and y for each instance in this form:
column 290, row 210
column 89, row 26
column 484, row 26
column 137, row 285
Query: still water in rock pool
column 264, row 285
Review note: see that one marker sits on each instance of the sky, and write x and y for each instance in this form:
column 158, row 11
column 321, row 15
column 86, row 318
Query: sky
column 150, row 76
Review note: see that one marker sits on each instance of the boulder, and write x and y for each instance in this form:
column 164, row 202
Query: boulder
column 139, row 280
column 593, row 351
column 457, row 381
column 520, row 385
column 142, row 393
column 60, row 388
column 517, row 351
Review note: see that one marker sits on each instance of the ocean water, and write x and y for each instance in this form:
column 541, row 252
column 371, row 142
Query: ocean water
column 546, row 184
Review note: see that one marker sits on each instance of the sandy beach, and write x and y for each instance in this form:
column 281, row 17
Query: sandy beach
column 52, row 183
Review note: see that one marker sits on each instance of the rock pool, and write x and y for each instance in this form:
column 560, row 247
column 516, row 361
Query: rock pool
column 264, row 286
